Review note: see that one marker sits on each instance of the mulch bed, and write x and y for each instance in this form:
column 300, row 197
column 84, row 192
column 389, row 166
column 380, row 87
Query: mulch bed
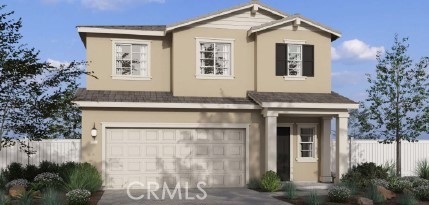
column 96, row 197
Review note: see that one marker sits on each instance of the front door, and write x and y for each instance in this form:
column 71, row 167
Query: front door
column 283, row 153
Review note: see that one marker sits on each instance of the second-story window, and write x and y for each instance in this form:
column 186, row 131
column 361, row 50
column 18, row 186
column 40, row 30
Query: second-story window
column 214, row 58
column 294, row 60
column 131, row 60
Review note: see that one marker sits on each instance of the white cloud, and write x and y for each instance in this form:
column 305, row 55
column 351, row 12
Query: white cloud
column 355, row 50
column 104, row 4
column 57, row 63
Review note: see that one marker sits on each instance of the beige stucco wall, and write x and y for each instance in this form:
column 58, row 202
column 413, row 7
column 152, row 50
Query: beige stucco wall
column 99, row 56
column 303, row 171
column 184, row 64
column 93, row 152
column 267, row 81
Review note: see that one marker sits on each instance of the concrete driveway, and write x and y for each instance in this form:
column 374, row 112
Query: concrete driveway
column 233, row 196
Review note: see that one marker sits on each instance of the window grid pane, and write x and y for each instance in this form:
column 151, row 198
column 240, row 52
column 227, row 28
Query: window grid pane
column 215, row 59
column 131, row 59
column 294, row 56
column 307, row 142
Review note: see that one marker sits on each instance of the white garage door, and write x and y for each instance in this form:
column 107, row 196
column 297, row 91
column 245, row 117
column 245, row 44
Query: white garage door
column 213, row 156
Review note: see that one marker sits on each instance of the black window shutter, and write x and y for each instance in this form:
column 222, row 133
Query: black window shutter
column 281, row 59
column 308, row 60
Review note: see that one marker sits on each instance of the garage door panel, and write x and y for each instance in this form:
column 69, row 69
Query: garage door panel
column 213, row 156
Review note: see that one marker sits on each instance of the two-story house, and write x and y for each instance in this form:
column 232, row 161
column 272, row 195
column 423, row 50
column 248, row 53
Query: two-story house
column 221, row 98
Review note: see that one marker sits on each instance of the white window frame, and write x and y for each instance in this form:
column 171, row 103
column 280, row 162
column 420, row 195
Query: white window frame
column 314, row 158
column 294, row 42
column 131, row 41
column 198, row 74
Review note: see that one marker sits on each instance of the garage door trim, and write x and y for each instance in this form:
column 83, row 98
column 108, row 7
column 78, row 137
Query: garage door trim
column 107, row 125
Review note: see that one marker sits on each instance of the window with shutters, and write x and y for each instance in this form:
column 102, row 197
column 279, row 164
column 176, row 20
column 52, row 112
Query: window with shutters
column 307, row 143
column 215, row 59
column 131, row 60
column 294, row 60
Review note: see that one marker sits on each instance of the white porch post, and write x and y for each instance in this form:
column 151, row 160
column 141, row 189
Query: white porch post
column 325, row 174
column 270, row 140
column 342, row 155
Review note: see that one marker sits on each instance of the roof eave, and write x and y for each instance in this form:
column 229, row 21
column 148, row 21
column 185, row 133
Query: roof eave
column 82, row 29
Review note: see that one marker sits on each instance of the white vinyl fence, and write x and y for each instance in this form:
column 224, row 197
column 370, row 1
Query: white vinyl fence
column 372, row 151
column 61, row 150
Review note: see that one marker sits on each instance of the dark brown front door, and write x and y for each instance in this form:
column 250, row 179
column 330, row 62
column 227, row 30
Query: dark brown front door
column 283, row 153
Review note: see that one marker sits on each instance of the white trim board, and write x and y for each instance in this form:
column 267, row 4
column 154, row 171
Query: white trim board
column 83, row 29
column 107, row 125
column 310, row 105
column 88, row 104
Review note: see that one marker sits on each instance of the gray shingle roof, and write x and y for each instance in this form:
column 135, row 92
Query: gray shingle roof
column 151, row 97
column 266, row 97
column 131, row 27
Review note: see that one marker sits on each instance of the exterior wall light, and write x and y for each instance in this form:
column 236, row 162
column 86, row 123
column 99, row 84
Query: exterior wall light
column 94, row 132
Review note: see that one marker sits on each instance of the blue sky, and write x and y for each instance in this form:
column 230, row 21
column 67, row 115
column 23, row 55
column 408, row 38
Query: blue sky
column 367, row 26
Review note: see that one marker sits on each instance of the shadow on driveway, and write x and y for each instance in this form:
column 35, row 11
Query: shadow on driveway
column 233, row 196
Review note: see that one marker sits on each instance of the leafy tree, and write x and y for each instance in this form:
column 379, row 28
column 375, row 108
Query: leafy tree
column 358, row 123
column 35, row 97
column 397, row 98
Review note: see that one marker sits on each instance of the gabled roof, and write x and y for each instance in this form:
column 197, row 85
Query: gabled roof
column 253, row 4
column 297, row 18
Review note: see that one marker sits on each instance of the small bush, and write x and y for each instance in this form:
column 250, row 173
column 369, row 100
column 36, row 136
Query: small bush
column 51, row 197
column 290, row 190
column 407, row 199
column 398, row 185
column 47, row 166
column 423, row 169
column 339, row 194
column 30, row 171
column 373, row 194
column 362, row 174
column 66, row 169
column 48, row 180
column 313, row 199
column 351, row 186
column 391, row 168
column 17, row 182
column 270, row 182
column 422, row 193
column 78, row 197
column 14, row 171
column 85, row 176
column 380, row 182
column 420, row 182
column 26, row 198
column 3, row 180
column 254, row 184
column 4, row 199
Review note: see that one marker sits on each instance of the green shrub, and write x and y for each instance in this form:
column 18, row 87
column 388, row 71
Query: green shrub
column 373, row 194
column 351, row 186
column 420, row 182
column 391, row 168
column 3, row 180
column 422, row 193
column 30, row 171
column 254, row 184
column 46, row 166
column 270, row 182
column 47, row 180
column 407, row 199
column 362, row 174
column 14, row 171
column 339, row 194
column 380, row 182
column 4, row 199
column 17, row 182
column 51, row 197
column 290, row 190
column 313, row 199
column 85, row 176
column 26, row 198
column 423, row 169
column 78, row 197
column 66, row 169
column 398, row 185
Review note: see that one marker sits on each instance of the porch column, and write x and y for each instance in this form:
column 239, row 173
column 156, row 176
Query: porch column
column 342, row 154
column 325, row 172
column 270, row 140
